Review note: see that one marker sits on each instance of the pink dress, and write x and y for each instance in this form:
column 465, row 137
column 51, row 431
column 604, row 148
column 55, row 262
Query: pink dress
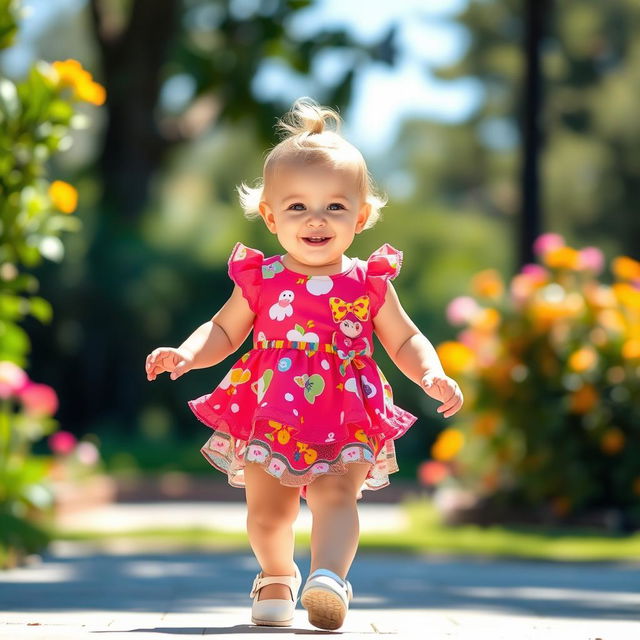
column 308, row 398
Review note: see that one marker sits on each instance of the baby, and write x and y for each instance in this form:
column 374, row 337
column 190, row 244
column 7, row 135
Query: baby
column 307, row 412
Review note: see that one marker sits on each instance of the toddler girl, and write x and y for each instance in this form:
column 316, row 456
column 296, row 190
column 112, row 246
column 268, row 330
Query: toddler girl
column 307, row 412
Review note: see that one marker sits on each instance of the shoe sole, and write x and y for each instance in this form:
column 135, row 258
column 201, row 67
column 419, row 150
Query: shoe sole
column 326, row 608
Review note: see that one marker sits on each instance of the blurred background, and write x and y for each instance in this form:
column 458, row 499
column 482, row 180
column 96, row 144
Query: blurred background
column 506, row 136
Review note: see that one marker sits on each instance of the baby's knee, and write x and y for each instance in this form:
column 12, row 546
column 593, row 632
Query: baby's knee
column 271, row 517
column 330, row 492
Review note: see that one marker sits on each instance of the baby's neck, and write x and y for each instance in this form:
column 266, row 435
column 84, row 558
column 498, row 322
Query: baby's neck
column 330, row 269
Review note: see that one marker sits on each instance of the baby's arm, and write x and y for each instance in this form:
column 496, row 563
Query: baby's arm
column 413, row 354
column 210, row 343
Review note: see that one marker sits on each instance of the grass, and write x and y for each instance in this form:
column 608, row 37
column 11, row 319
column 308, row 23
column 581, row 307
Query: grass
column 425, row 534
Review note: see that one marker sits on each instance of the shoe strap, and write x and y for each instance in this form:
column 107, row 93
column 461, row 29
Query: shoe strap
column 290, row 581
column 345, row 584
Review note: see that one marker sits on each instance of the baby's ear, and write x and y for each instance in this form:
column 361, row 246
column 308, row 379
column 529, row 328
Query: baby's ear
column 267, row 215
column 363, row 216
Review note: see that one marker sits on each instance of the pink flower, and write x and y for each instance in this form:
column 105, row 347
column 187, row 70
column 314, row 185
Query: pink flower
column 39, row 399
column 461, row 309
column 534, row 271
column 12, row 379
column 546, row 242
column 592, row 258
column 62, row 442
column 87, row 453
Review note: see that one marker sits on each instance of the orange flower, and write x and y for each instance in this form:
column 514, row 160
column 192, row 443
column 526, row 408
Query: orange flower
column 631, row 349
column 448, row 444
column 487, row 284
column 486, row 320
column 612, row 441
column 432, row 472
column 71, row 74
column 584, row 399
column 583, row 359
column 455, row 356
column 625, row 268
column 612, row 320
column 562, row 258
column 63, row 196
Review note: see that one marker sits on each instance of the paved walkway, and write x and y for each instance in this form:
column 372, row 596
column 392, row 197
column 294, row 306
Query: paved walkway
column 81, row 591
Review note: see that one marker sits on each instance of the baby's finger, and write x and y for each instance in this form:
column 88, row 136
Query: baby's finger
column 180, row 368
column 454, row 409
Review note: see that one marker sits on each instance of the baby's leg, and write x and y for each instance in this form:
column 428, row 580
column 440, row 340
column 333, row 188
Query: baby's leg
column 332, row 500
column 272, row 509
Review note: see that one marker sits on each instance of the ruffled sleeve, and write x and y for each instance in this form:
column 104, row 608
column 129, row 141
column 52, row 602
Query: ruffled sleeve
column 245, row 269
column 383, row 265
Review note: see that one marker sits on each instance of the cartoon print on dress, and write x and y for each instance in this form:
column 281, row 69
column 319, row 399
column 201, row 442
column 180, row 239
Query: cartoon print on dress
column 349, row 454
column 260, row 386
column 298, row 334
column 256, row 453
column 368, row 388
column 234, row 378
column 313, row 385
column 319, row 285
column 347, row 342
column 310, row 455
column 276, row 467
column 281, row 309
column 350, row 384
column 219, row 444
column 282, row 430
column 270, row 270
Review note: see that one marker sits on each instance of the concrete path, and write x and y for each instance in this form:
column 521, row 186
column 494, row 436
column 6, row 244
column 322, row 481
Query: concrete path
column 81, row 591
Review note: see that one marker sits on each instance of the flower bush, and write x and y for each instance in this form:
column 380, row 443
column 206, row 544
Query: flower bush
column 37, row 116
column 549, row 365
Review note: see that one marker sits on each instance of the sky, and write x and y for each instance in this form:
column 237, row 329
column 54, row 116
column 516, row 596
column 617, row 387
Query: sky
column 427, row 37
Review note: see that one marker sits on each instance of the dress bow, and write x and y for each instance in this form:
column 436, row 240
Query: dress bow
column 359, row 307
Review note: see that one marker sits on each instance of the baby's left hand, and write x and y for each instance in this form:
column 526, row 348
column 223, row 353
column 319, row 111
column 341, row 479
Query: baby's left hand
column 443, row 388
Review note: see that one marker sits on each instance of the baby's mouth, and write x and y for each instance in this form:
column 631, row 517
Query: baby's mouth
column 316, row 240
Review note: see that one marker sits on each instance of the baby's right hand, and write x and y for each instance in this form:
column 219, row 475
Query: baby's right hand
column 176, row 361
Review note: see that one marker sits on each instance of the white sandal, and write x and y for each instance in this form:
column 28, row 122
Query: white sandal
column 326, row 597
column 275, row 612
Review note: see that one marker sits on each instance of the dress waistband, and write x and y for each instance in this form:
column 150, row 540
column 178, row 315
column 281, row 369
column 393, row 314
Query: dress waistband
column 294, row 344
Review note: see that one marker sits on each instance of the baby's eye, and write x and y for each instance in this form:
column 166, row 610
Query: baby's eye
column 336, row 204
column 297, row 204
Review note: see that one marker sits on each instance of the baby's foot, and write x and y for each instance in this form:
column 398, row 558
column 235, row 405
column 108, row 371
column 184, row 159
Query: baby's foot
column 274, row 591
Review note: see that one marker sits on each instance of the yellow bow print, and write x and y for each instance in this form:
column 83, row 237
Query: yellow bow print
column 359, row 307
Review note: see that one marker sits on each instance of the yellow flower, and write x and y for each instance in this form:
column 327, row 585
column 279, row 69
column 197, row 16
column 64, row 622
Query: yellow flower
column 455, row 356
column 71, row 74
column 625, row 268
column 583, row 359
column 448, row 444
column 584, row 399
column 612, row 441
column 562, row 258
column 63, row 196
column 629, row 296
column 487, row 284
column 631, row 349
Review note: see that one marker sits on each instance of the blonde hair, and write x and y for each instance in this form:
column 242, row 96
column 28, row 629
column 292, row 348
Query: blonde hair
column 308, row 140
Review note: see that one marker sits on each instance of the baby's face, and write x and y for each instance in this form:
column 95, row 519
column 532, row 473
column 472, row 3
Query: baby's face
column 314, row 202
